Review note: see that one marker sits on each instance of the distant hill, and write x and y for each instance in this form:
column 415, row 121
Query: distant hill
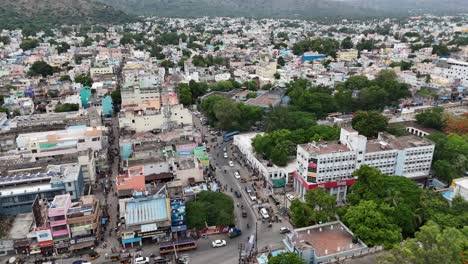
column 287, row 8
column 37, row 13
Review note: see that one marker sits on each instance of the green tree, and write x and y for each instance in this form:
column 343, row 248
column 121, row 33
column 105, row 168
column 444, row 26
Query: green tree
column 5, row 40
column 185, row 94
column 281, row 61
column 286, row 258
column 196, row 215
column 227, row 114
column 210, row 209
column 42, row 68
column 126, row 39
column 64, row 78
column 322, row 203
column 63, row 47
column 440, row 50
column 284, row 118
column 372, row 223
column 301, row 214
column 251, row 85
column 29, row 44
column 66, row 108
column 347, row 43
column 116, row 96
column 84, row 79
column 370, row 123
column 432, row 118
column 431, row 245
column 277, row 76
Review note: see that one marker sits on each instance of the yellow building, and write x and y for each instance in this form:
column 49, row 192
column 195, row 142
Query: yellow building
column 347, row 55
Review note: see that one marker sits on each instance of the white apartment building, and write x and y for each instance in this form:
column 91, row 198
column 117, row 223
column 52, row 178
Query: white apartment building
column 142, row 120
column 86, row 141
column 330, row 165
column 457, row 70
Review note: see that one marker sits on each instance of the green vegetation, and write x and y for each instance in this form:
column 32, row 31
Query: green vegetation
column 228, row 115
column 63, row 47
column 317, row 100
column 450, row 155
column 29, row 44
column 367, row 44
column 66, row 108
column 432, row 118
column 209, row 60
column 85, row 80
column 319, row 206
column 359, row 93
column 279, row 145
column 347, row 43
column 384, row 209
column 431, row 245
column 5, row 40
column 440, row 50
column 210, row 209
column 42, row 68
column 404, row 65
column 286, row 258
column 370, row 123
column 285, row 118
column 64, row 78
column 325, row 46
column 116, row 97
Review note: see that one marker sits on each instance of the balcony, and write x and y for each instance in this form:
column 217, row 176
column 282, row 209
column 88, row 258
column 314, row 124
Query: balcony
column 58, row 223
column 62, row 232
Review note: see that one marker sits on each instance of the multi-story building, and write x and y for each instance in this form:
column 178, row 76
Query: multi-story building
column 87, row 141
column 456, row 70
column 330, row 165
column 18, row 191
column 83, row 222
column 57, row 214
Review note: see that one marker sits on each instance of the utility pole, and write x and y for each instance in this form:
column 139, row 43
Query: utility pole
column 256, row 237
column 241, row 247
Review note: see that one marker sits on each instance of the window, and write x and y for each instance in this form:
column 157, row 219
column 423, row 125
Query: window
column 81, row 140
column 71, row 193
column 96, row 139
column 69, row 184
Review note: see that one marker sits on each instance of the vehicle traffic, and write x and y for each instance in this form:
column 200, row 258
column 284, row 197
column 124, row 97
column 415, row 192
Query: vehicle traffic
column 218, row 243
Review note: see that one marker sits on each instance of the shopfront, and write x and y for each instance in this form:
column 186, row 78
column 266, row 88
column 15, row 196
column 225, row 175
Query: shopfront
column 21, row 246
column 47, row 248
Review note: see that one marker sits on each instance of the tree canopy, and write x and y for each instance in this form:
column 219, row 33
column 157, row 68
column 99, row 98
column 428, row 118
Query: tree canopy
column 432, row 118
column 370, row 123
column 326, row 46
column 286, row 258
column 84, row 79
column 319, row 206
column 29, row 44
column 431, row 245
column 66, row 108
column 42, row 68
column 210, row 209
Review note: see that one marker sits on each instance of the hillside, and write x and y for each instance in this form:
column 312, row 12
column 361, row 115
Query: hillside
column 287, row 8
column 37, row 13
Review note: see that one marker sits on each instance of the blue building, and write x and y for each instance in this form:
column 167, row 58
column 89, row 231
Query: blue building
column 312, row 57
column 18, row 192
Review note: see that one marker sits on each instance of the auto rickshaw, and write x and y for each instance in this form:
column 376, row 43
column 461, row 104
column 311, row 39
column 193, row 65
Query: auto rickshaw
column 115, row 258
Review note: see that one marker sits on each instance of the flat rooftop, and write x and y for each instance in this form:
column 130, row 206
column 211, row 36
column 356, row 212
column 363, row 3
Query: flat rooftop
column 326, row 239
column 386, row 141
column 325, row 147
column 21, row 226
column 144, row 211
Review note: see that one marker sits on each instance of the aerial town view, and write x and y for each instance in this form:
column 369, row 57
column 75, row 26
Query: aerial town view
column 234, row 131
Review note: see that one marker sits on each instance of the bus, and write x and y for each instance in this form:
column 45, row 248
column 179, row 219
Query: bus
column 179, row 246
column 228, row 136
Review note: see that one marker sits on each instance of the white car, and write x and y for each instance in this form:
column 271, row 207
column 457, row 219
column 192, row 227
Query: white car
column 290, row 197
column 284, row 230
column 264, row 213
column 142, row 260
column 252, row 197
column 225, row 155
column 237, row 175
column 219, row 243
column 231, row 163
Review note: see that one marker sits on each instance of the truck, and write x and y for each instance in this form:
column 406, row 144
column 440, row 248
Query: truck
column 234, row 231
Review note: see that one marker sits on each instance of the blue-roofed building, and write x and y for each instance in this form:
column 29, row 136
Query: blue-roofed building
column 145, row 218
column 312, row 57
column 107, row 106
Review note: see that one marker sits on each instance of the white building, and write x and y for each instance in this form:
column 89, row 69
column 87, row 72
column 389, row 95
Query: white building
column 276, row 177
column 330, row 165
column 141, row 120
column 457, row 70
column 460, row 187
column 86, row 141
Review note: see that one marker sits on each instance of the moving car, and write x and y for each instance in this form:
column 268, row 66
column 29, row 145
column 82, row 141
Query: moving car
column 81, row 262
column 142, row 260
column 237, row 194
column 219, row 243
column 290, row 197
column 244, row 213
column 237, row 175
column 234, row 231
column 231, row 163
column 284, row 230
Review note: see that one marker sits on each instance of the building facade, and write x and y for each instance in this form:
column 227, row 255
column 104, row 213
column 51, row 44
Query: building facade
column 330, row 165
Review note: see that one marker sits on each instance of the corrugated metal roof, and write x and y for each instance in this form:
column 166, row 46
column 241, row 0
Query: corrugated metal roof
column 146, row 211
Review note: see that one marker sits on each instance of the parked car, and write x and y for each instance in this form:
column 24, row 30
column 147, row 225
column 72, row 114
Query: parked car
column 290, row 197
column 252, row 197
column 219, row 243
column 264, row 213
column 237, row 175
column 284, row 230
column 231, row 163
column 237, row 194
column 81, row 262
column 226, row 155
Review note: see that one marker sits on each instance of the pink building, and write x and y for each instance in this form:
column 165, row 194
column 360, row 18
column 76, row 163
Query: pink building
column 58, row 217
